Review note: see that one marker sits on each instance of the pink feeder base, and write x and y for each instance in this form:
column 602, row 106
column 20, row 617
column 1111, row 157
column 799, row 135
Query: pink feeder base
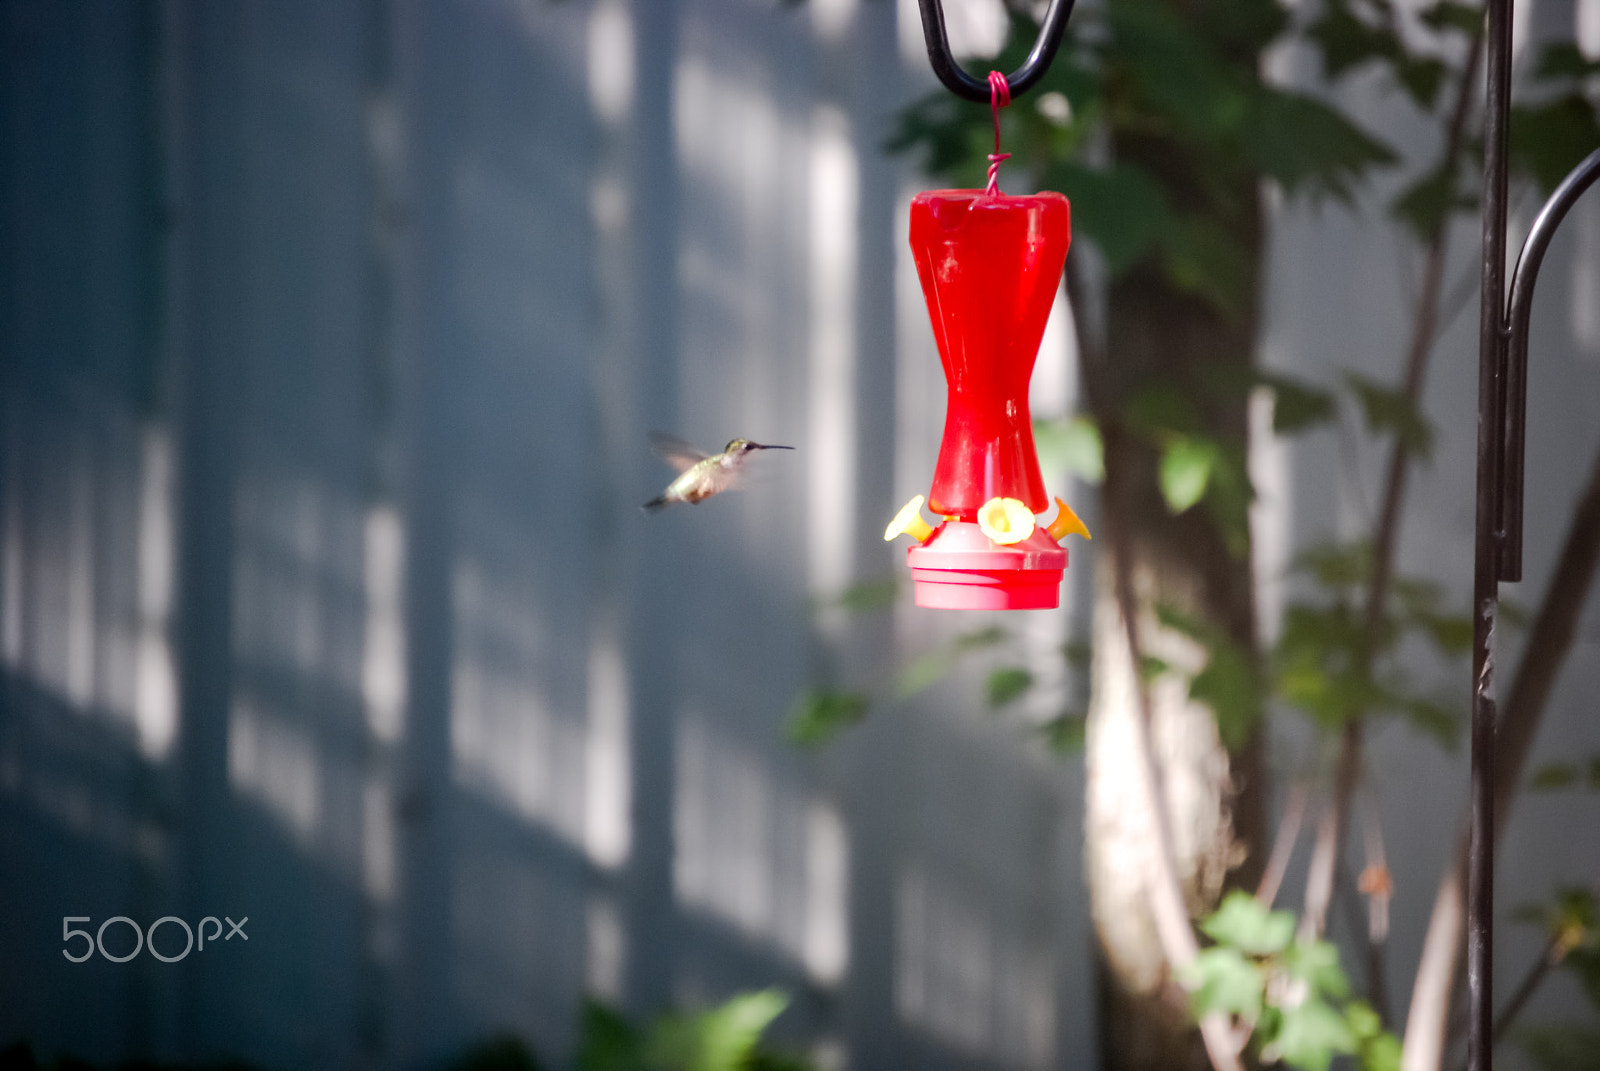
column 960, row 568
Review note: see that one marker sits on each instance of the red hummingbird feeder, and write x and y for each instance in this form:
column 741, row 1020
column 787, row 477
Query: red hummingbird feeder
column 990, row 266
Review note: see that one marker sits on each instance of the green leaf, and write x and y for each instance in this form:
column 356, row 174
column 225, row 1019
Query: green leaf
column 1452, row 635
column 1064, row 733
column 607, row 1041
column 1418, row 597
column 1550, row 139
column 1243, row 922
column 819, row 716
column 979, row 638
column 1563, row 60
column 1317, row 964
column 1187, row 624
column 1231, row 686
column 1186, row 467
column 1364, row 1022
column 923, row 673
column 1584, row 962
column 1561, row 1048
column 721, row 1039
column 1421, row 79
column 1160, row 409
column 1336, row 565
column 1006, row 684
column 1390, row 410
column 1429, row 201
column 1309, row 147
column 1297, row 406
column 1121, row 209
column 1448, row 14
column 1555, row 775
column 871, row 595
column 1381, row 1053
column 1171, row 74
column 1223, row 980
column 1207, row 260
column 1348, row 42
column 1074, row 445
column 1312, row 1034
column 1439, row 719
column 502, row 1052
column 1152, row 669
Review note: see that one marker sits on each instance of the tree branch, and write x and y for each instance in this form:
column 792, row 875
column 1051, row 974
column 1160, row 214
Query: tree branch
column 1424, row 332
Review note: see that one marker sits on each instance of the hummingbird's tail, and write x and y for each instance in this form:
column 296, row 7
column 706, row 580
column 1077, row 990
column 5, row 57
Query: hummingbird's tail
column 655, row 504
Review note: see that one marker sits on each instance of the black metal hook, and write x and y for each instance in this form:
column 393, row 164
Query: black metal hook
column 1518, row 311
column 1018, row 81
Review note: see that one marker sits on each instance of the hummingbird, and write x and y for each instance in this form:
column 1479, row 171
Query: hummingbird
column 699, row 476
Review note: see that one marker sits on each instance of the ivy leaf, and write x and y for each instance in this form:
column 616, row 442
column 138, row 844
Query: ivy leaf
column 1390, row 410
column 1364, row 1022
column 1311, row 1034
column 1382, row 1053
column 1074, row 445
column 1006, row 684
column 1243, row 922
column 819, row 716
column 1186, row 467
column 1317, row 964
column 1222, row 980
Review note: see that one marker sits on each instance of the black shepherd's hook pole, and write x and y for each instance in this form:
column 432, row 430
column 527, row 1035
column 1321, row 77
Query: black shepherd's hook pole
column 1502, row 419
column 1018, row 81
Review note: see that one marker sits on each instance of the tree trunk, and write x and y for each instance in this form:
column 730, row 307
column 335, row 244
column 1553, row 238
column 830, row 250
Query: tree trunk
column 1160, row 338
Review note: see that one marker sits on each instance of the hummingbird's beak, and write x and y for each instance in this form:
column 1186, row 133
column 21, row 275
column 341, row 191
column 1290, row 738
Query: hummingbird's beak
column 763, row 446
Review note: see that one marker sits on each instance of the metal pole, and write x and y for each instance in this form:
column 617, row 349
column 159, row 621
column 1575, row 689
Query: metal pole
column 1502, row 419
column 1485, row 578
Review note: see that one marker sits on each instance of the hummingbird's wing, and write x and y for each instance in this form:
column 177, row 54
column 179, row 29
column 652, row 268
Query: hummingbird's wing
column 674, row 451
